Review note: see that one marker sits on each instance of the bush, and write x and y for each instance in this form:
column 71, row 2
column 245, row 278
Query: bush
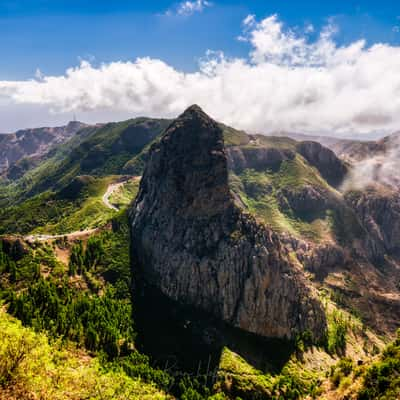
column 382, row 379
column 337, row 330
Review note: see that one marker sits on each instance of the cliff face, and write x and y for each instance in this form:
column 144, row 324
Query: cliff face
column 192, row 243
column 379, row 212
column 325, row 160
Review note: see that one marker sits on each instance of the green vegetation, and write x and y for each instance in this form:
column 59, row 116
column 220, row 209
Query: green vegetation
column 238, row 379
column 31, row 366
column 340, row 371
column 337, row 330
column 87, row 302
column 124, row 195
column 98, row 151
column 264, row 195
column 77, row 336
column 99, row 323
column 233, row 137
column 77, row 206
column 382, row 379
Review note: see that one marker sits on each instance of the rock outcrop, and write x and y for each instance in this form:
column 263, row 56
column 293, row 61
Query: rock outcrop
column 331, row 168
column 379, row 212
column 192, row 243
column 257, row 158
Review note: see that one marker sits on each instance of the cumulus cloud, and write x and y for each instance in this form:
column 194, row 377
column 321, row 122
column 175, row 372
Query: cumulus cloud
column 287, row 82
column 188, row 8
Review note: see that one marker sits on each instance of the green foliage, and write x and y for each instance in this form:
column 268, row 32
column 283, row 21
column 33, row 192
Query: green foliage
column 262, row 195
column 125, row 194
column 342, row 369
column 233, row 137
column 382, row 378
column 98, row 151
column 99, row 323
column 303, row 340
column 33, row 368
column 137, row 365
column 82, row 260
column 190, row 388
column 237, row 378
column 59, row 212
column 39, row 211
column 337, row 330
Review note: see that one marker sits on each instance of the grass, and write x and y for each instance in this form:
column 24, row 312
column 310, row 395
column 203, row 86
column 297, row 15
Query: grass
column 125, row 194
column 31, row 366
column 238, row 379
column 99, row 151
column 59, row 213
column 233, row 137
column 261, row 191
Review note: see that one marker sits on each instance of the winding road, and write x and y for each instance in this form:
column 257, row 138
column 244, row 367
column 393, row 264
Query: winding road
column 110, row 190
column 86, row 232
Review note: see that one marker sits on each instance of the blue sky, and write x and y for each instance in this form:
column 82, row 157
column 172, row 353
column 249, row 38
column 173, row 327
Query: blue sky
column 53, row 35
column 325, row 67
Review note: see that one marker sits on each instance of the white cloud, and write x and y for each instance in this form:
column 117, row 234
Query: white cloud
column 382, row 168
column 286, row 83
column 188, row 8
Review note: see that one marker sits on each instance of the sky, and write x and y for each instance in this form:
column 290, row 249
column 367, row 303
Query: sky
column 329, row 67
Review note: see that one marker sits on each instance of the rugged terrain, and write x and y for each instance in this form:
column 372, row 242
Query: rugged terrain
column 267, row 274
column 29, row 144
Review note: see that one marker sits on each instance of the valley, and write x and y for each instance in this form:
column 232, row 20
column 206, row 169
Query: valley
column 186, row 259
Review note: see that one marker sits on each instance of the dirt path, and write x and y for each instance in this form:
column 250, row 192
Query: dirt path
column 69, row 236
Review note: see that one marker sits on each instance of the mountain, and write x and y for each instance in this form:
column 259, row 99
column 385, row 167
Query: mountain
column 35, row 142
column 98, row 150
column 248, row 237
column 208, row 253
column 205, row 262
column 350, row 150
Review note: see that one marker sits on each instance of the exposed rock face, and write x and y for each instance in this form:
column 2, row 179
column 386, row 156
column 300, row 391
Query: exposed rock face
column 379, row 212
column 258, row 158
column 193, row 244
column 33, row 142
column 308, row 199
column 329, row 166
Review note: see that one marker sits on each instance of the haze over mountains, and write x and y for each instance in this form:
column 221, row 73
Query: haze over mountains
column 244, row 252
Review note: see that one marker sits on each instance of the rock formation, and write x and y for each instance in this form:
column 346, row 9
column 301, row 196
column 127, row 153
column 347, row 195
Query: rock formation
column 325, row 160
column 192, row 243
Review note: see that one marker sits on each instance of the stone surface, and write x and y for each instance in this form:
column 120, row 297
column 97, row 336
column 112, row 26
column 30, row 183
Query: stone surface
column 325, row 160
column 191, row 242
column 379, row 212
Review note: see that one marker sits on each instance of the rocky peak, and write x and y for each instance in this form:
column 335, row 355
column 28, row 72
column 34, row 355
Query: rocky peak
column 191, row 163
column 193, row 245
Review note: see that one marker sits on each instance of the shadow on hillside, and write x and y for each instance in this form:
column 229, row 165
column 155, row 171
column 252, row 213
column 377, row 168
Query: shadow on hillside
column 182, row 340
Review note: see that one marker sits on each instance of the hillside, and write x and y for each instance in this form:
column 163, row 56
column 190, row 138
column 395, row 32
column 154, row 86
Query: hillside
column 202, row 262
column 30, row 144
column 31, row 365
column 98, row 151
